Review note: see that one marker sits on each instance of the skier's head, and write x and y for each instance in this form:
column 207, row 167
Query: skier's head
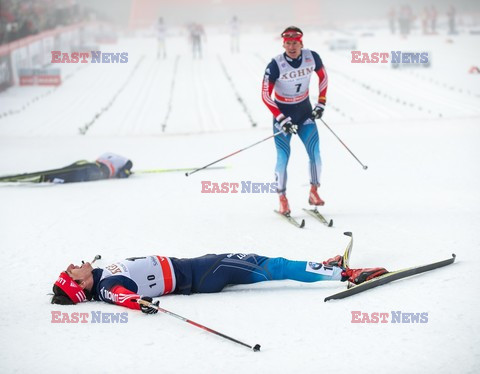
column 292, row 41
column 292, row 33
column 73, row 285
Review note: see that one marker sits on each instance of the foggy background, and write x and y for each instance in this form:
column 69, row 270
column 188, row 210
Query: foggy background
column 138, row 13
column 21, row 18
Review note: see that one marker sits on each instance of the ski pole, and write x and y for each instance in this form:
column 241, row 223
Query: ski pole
column 365, row 167
column 234, row 153
column 151, row 171
column 255, row 348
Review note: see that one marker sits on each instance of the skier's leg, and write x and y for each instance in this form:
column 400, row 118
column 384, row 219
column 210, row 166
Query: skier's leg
column 211, row 273
column 308, row 133
column 282, row 144
column 78, row 172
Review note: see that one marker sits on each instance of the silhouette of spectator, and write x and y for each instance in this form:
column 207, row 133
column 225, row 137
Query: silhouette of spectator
column 425, row 20
column 433, row 19
column 451, row 13
column 197, row 33
column 161, row 33
column 19, row 19
column 235, row 35
column 405, row 20
column 391, row 19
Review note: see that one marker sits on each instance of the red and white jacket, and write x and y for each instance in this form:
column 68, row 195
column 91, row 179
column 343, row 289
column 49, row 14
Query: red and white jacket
column 290, row 79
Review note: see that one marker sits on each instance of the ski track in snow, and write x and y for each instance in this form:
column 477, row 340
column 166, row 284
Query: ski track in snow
column 418, row 202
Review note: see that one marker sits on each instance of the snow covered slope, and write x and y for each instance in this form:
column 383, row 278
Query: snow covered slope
column 418, row 202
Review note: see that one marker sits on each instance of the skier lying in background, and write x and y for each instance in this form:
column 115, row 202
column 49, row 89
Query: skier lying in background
column 108, row 165
column 124, row 282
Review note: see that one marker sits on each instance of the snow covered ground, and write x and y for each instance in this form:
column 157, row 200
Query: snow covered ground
column 417, row 129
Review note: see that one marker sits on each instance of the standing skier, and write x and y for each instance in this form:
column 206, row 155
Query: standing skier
column 161, row 33
column 289, row 75
column 235, row 35
column 197, row 34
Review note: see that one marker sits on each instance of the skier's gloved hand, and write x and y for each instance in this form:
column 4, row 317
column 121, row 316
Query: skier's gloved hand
column 334, row 261
column 317, row 112
column 125, row 171
column 148, row 309
column 288, row 126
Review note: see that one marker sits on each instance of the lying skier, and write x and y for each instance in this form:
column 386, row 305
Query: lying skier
column 108, row 165
column 126, row 281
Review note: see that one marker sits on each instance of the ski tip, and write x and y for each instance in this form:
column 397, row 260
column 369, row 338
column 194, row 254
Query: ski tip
column 454, row 256
column 348, row 233
column 330, row 224
column 302, row 224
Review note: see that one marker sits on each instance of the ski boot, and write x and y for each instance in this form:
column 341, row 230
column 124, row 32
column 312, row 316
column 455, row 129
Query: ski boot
column 358, row 276
column 313, row 198
column 284, row 207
